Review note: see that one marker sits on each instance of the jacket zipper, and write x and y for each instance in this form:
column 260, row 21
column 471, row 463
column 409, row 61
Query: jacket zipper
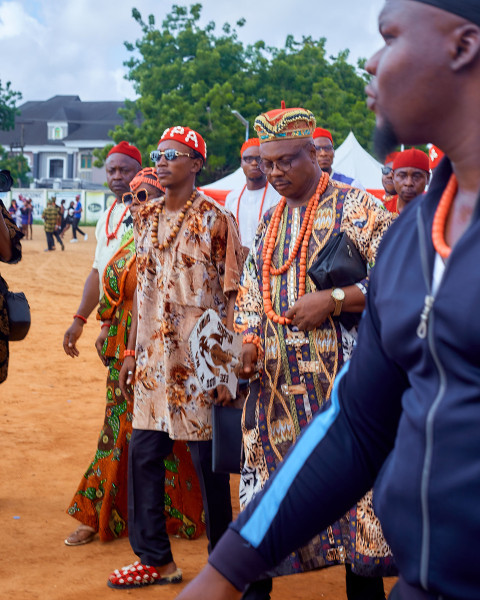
column 425, row 330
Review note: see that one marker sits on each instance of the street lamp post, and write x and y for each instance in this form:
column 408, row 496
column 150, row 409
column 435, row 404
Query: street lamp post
column 244, row 121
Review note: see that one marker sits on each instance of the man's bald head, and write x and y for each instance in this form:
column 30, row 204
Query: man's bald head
column 426, row 81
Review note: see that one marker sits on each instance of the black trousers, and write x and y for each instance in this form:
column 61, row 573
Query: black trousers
column 358, row 588
column 146, row 493
column 50, row 241
column 76, row 228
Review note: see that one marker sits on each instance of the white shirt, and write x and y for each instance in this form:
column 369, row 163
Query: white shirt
column 104, row 252
column 248, row 214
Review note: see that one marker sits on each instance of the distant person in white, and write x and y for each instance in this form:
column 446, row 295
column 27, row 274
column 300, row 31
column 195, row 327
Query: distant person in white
column 250, row 202
column 322, row 138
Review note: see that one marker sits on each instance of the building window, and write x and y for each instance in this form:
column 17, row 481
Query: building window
column 58, row 133
column 55, row 169
column 86, row 161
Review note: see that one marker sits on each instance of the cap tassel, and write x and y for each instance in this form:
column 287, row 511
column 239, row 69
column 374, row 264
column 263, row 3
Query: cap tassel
column 282, row 105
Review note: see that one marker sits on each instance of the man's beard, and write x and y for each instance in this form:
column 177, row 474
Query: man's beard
column 384, row 140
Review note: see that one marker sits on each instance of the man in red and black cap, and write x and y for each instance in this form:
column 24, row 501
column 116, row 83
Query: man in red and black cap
column 410, row 178
column 323, row 140
column 122, row 164
column 250, row 202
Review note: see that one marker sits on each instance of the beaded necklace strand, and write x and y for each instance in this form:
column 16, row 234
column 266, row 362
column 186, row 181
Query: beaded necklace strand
column 261, row 205
column 113, row 234
column 176, row 228
column 302, row 240
column 441, row 216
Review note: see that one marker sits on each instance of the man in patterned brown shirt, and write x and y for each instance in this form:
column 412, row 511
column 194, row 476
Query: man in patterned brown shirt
column 189, row 260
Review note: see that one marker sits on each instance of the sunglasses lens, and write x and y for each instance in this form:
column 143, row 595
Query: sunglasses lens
column 154, row 155
column 142, row 195
column 387, row 170
column 127, row 198
column 170, row 154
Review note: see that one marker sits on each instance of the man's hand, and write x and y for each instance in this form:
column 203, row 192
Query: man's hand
column 102, row 336
column 126, row 377
column 249, row 361
column 71, row 336
column 222, row 396
column 311, row 310
column 210, row 584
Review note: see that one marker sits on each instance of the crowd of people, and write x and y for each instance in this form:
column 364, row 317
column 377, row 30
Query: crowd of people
column 359, row 429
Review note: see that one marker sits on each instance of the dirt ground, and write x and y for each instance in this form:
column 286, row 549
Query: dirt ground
column 51, row 412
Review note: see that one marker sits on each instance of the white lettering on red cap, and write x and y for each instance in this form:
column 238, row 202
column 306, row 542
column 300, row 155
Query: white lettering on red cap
column 191, row 135
column 179, row 130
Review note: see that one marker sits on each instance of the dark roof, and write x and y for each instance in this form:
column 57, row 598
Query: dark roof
column 86, row 121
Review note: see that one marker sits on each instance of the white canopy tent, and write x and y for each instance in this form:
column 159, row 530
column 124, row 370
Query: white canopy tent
column 230, row 182
column 352, row 160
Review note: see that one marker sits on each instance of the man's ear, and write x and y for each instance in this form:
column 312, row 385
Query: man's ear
column 197, row 165
column 312, row 153
column 465, row 46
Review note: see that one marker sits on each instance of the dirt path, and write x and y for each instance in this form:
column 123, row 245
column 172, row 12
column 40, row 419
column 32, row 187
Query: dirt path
column 51, row 411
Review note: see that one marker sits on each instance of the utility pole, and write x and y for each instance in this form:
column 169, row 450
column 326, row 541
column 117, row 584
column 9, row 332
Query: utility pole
column 244, row 121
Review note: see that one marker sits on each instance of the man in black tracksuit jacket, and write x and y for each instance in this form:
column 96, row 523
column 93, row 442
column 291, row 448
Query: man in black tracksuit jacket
column 405, row 412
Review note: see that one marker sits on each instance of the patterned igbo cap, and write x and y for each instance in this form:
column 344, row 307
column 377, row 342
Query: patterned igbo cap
column 285, row 124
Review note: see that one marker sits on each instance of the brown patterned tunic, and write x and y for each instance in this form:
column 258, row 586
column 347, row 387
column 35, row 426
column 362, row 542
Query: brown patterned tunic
column 174, row 288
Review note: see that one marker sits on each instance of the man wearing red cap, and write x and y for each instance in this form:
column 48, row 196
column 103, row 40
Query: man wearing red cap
column 405, row 413
column 250, row 202
column 122, row 164
column 387, row 180
column 410, row 178
column 323, row 140
column 189, row 260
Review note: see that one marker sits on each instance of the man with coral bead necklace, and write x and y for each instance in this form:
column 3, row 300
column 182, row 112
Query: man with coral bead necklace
column 293, row 333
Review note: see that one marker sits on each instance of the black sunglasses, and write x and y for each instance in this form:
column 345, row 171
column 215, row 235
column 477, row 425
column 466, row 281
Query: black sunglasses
column 169, row 154
column 386, row 170
column 141, row 196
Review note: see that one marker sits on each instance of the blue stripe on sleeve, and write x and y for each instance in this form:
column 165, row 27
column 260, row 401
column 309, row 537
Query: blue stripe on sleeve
column 262, row 517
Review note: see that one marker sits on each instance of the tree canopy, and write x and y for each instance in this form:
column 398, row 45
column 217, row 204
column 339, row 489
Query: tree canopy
column 188, row 75
column 8, row 106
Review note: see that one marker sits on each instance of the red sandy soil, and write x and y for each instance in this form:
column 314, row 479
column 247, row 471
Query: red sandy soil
column 52, row 411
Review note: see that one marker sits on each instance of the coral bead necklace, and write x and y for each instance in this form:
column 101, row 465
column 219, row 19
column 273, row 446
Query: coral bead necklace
column 112, row 235
column 441, row 216
column 301, row 241
column 176, row 228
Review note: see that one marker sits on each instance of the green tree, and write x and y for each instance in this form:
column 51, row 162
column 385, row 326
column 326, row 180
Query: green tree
column 188, row 75
column 17, row 165
column 8, row 106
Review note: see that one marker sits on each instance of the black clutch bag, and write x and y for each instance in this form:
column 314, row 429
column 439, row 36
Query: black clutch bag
column 339, row 264
column 18, row 311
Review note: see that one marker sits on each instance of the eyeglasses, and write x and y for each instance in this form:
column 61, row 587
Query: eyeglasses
column 328, row 148
column 284, row 164
column 169, row 154
column 141, row 196
column 386, row 170
column 250, row 159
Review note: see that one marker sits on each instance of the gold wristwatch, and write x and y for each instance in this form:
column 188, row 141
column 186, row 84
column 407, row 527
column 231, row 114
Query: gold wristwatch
column 338, row 296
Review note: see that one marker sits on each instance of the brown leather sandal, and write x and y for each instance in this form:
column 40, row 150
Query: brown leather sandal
column 83, row 534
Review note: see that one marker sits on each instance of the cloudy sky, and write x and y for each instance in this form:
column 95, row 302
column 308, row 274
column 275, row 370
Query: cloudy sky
column 75, row 47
